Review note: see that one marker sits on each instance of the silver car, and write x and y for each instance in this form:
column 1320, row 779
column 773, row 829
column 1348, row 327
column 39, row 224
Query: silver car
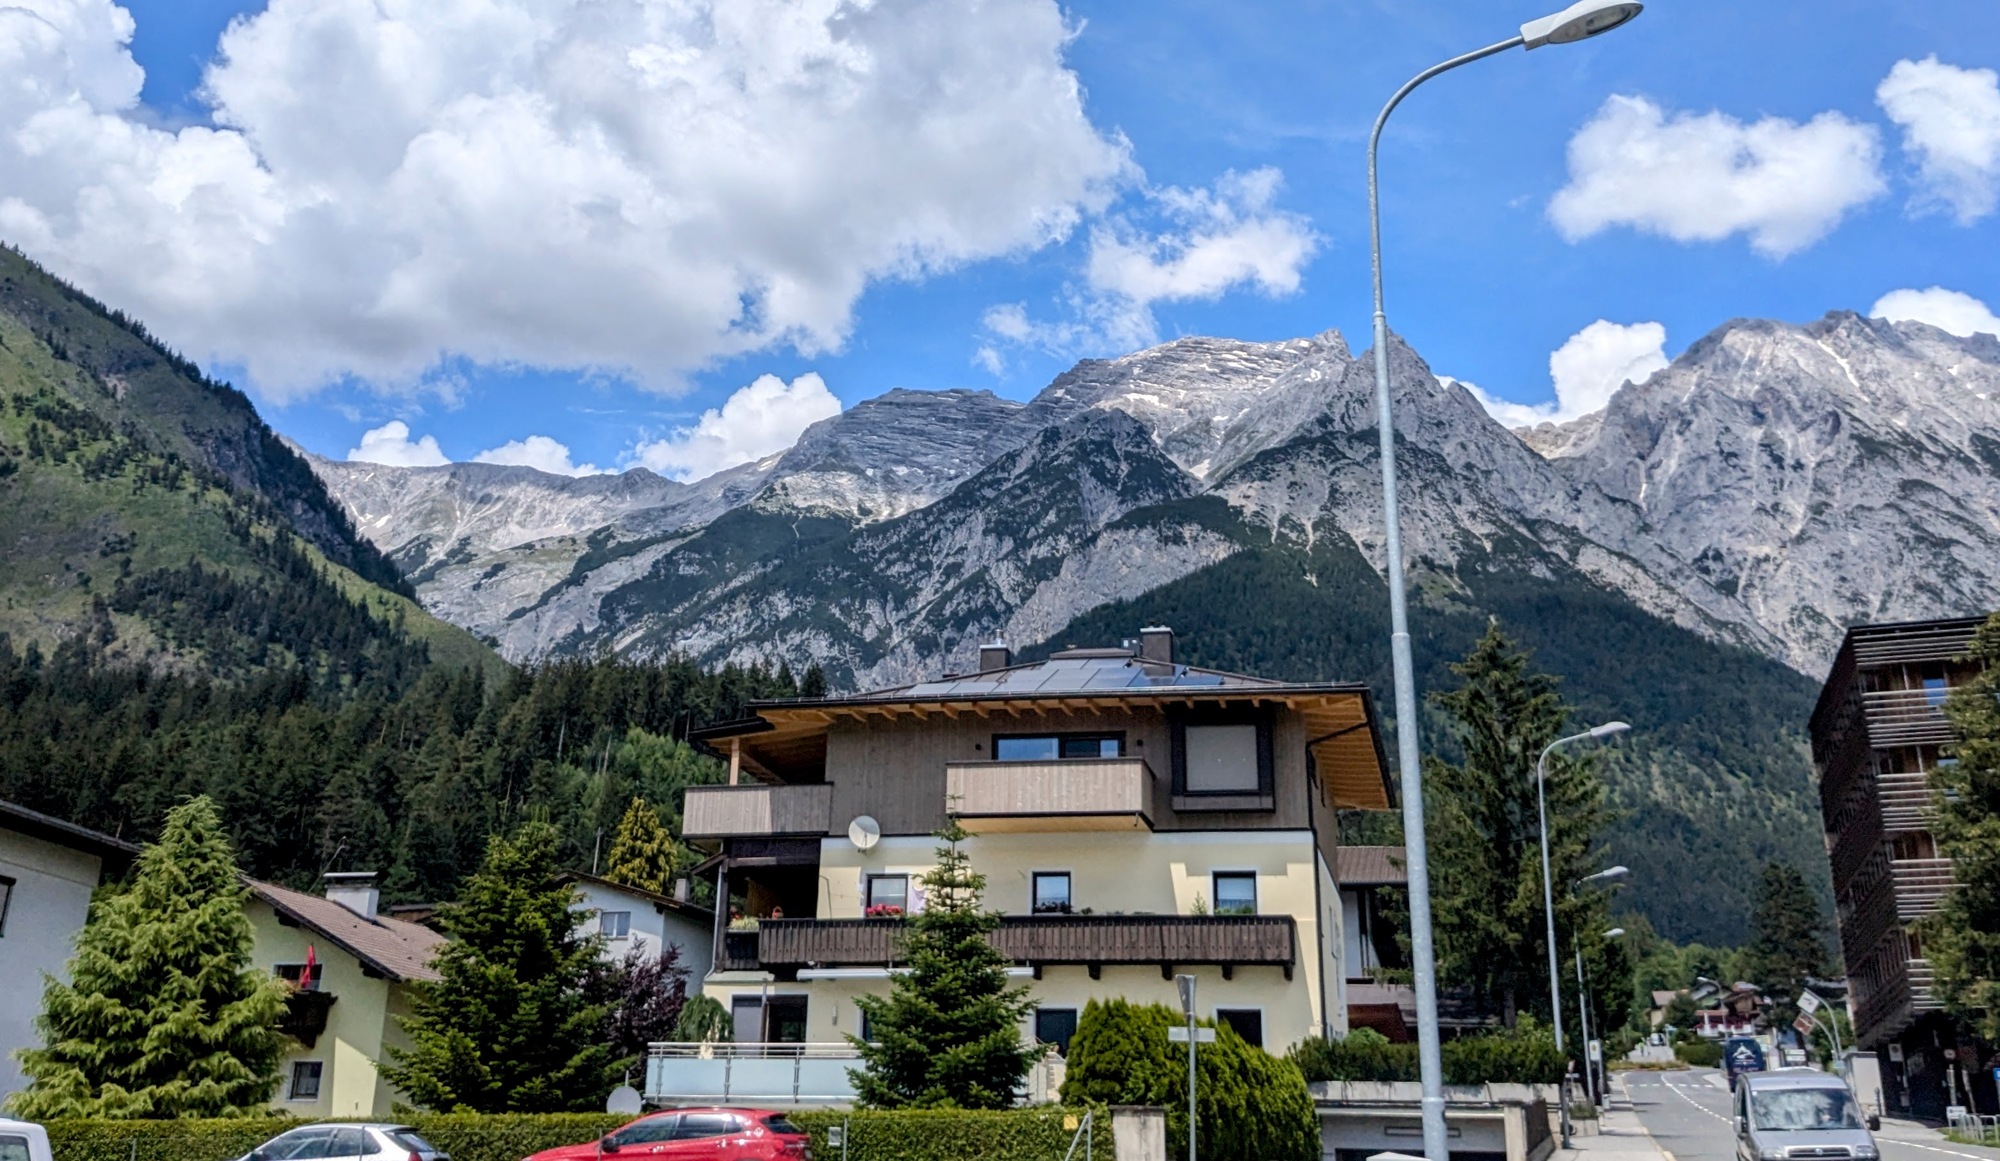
column 358, row 1141
column 1800, row 1115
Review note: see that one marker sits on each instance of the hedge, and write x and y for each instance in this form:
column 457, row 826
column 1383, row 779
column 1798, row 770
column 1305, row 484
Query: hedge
column 1700, row 1053
column 1033, row 1134
column 1527, row 1056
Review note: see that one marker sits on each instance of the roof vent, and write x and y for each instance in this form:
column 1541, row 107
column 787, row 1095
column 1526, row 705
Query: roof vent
column 1156, row 643
column 995, row 655
column 354, row 890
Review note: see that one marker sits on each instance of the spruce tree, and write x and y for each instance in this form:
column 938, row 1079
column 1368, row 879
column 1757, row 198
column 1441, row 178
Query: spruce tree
column 512, row 1025
column 1789, row 944
column 642, row 852
column 948, row 1034
column 161, row 1016
column 1962, row 940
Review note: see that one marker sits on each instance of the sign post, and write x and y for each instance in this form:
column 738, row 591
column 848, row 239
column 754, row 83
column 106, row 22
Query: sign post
column 1193, row 1036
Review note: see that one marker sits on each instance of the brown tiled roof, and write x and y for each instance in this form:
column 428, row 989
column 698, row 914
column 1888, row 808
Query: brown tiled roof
column 1370, row 866
column 390, row 947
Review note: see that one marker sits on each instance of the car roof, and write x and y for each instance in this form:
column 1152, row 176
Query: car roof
column 1794, row 1078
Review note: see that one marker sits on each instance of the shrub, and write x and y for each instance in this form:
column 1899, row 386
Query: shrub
column 1527, row 1055
column 1032, row 1134
column 703, row 1018
column 1700, row 1053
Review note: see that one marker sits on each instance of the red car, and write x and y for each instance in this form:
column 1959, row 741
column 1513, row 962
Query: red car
column 718, row 1134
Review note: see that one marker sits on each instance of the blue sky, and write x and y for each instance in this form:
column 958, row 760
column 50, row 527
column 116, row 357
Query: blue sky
column 1206, row 178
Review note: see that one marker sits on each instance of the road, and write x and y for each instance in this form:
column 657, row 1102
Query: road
column 1687, row 1113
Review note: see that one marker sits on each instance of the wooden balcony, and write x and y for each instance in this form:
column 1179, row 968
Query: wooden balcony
column 1920, row 883
column 305, row 1015
column 1226, row 941
column 1068, row 795
column 757, row 811
column 1905, row 717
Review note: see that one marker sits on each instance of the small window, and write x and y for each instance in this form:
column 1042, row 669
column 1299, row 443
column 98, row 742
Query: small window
column 305, row 1080
column 295, row 975
column 1051, row 893
column 699, row 1126
column 1236, row 892
column 1055, row 1026
column 13, row 1148
column 1247, row 1023
column 614, row 924
column 888, row 896
column 1222, row 759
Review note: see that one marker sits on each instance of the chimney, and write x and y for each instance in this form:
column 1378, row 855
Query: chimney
column 354, row 890
column 995, row 655
column 1156, row 643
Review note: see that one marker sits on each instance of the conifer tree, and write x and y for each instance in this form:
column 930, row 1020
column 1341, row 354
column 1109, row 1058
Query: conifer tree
column 512, row 1025
column 1789, row 944
column 948, row 1034
column 1962, row 939
column 642, row 852
column 161, row 1016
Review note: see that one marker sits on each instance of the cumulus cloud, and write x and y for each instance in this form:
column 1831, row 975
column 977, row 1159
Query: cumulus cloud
column 1587, row 371
column 391, row 444
column 1950, row 119
column 539, row 452
column 765, row 417
column 1704, row 177
column 1948, row 310
column 630, row 187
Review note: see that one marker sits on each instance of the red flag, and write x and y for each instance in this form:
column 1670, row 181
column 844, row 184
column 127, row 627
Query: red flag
column 307, row 982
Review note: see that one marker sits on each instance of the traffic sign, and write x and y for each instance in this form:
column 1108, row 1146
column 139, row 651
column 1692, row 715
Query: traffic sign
column 1805, row 1025
column 1808, row 1002
column 1178, row 1034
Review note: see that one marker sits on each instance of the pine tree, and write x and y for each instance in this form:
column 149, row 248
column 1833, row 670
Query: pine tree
column 1485, row 836
column 161, row 1016
column 1789, row 945
column 948, row 1034
column 1962, row 939
column 512, row 1025
column 642, row 852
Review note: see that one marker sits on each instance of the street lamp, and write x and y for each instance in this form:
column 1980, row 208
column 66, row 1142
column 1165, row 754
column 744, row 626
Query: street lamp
column 1578, row 22
column 1583, row 989
column 1548, row 888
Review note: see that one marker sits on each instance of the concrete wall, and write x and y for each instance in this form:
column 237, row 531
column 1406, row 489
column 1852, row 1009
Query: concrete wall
column 359, row 1027
column 48, row 905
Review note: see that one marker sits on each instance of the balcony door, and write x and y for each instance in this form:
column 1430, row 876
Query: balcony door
column 769, row 1019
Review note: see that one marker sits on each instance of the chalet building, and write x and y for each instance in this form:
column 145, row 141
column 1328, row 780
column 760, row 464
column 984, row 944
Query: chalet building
column 1877, row 732
column 1134, row 818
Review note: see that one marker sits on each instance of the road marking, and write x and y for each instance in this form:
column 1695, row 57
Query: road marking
column 1681, row 1093
column 1932, row 1148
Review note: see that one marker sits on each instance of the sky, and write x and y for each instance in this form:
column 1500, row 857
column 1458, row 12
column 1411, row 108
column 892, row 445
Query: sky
column 595, row 234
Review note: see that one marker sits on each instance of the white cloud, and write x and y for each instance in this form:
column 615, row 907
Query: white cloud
column 391, row 444
column 1951, row 124
column 539, row 452
column 1948, row 310
column 766, row 416
column 638, row 188
column 1703, row 177
column 1587, row 371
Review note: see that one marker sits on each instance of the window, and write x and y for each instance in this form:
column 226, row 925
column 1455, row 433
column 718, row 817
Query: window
column 785, row 1019
column 1222, row 759
column 6, row 897
column 1914, row 845
column 13, row 1148
column 646, row 1131
column 614, row 924
column 1055, row 1026
column 888, row 896
column 300, row 1145
column 1803, row 1110
column 295, row 975
column 1236, row 892
column 349, row 1143
column 1051, row 893
column 696, row 1126
column 777, row 1123
column 408, row 1141
column 1054, row 747
column 1245, row 1022
column 305, row 1080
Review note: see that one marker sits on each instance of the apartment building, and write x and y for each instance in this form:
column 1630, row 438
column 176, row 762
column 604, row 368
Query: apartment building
column 1877, row 732
column 1134, row 817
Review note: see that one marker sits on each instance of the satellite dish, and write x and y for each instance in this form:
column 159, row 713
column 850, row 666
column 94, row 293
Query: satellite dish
column 864, row 832
column 624, row 1101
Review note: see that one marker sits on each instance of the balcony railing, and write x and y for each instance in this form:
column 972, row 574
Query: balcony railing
column 1920, row 883
column 1228, row 941
column 1071, row 794
column 1905, row 717
column 717, row 812
column 750, row 1074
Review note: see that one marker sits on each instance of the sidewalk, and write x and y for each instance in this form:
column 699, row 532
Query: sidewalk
column 1619, row 1135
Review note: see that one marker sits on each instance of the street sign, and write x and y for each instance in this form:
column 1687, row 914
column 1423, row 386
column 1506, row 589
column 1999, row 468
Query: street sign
column 1808, row 1002
column 1805, row 1025
column 1895, row 1054
column 1178, row 1034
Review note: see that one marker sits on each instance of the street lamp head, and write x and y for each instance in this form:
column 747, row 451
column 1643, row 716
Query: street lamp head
column 1608, row 729
column 1614, row 933
column 1607, row 875
column 1579, row 21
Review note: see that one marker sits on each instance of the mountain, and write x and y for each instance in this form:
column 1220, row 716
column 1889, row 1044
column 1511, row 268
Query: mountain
column 152, row 519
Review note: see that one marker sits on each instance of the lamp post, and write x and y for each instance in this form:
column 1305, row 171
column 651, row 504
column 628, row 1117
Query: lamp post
column 1548, row 888
column 1583, row 1001
column 1579, row 21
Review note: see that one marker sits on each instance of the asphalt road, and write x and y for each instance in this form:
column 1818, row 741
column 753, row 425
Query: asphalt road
column 1687, row 1113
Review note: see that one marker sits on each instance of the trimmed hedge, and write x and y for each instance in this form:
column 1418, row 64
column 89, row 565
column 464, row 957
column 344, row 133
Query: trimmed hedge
column 466, row 1136
column 1527, row 1056
column 1033, row 1134
column 1700, row 1053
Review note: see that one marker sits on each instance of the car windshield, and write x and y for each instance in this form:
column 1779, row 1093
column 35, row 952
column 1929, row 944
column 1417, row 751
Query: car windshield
column 1803, row 1109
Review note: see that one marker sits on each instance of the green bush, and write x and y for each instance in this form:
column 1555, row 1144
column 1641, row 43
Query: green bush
column 1527, row 1055
column 1032, row 1134
column 1700, row 1053
column 466, row 1136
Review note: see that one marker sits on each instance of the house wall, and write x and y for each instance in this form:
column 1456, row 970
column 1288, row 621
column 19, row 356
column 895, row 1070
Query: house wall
column 358, row 1028
column 49, row 903
column 659, row 929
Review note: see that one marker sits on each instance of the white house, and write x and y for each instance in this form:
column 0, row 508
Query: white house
column 626, row 915
column 48, row 868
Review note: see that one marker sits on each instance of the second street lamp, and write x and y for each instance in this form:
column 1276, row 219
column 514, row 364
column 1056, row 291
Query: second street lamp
column 1579, row 21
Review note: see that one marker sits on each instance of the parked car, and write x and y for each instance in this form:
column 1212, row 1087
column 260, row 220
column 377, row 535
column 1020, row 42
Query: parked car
column 1801, row 1113
column 1740, row 1054
column 349, row 1142
column 727, row 1134
column 23, row 1141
